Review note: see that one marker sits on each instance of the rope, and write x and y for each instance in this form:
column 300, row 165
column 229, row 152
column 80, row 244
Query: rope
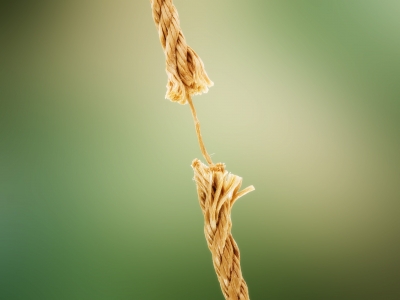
column 216, row 188
column 184, row 67
column 198, row 132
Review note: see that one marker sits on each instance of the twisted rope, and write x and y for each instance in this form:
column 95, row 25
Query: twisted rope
column 185, row 70
column 216, row 188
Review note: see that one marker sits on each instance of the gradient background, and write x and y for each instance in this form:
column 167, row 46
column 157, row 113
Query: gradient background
column 96, row 193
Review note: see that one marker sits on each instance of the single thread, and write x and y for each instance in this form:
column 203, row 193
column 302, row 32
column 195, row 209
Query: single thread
column 184, row 67
column 198, row 131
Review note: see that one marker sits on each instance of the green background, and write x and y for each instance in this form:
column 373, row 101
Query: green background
column 96, row 193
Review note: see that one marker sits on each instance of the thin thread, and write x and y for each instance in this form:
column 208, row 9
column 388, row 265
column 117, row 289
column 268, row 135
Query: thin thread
column 184, row 67
column 198, row 131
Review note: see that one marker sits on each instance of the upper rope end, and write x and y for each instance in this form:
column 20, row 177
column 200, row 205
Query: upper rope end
column 180, row 95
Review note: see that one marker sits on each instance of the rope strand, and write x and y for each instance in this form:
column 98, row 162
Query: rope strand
column 184, row 67
column 218, row 190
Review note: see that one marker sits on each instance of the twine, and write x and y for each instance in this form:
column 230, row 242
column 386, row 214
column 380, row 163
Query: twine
column 216, row 188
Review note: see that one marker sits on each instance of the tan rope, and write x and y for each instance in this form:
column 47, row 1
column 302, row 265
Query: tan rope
column 184, row 67
column 198, row 132
column 216, row 188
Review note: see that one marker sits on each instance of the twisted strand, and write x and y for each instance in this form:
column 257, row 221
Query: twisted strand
column 185, row 70
column 217, row 191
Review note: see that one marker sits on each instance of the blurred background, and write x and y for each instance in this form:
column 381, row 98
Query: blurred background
column 96, row 193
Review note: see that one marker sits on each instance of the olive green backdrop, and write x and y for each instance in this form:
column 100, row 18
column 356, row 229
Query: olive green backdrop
column 96, row 193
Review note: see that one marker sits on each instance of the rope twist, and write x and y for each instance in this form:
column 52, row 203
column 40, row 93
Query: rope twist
column 216, row 188
column 185, row 70
column 217, row 191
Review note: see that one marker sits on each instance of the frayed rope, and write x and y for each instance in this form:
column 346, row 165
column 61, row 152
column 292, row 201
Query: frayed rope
column 216, row 188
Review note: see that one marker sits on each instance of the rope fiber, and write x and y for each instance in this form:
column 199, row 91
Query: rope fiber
column 216, row 188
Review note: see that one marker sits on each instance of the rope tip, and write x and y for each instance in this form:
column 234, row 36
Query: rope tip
column 217, row 191
column 196, row 163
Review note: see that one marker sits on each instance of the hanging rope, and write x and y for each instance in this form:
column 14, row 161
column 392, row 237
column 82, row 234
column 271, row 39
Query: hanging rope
column 184, row 67
column 216, row 188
